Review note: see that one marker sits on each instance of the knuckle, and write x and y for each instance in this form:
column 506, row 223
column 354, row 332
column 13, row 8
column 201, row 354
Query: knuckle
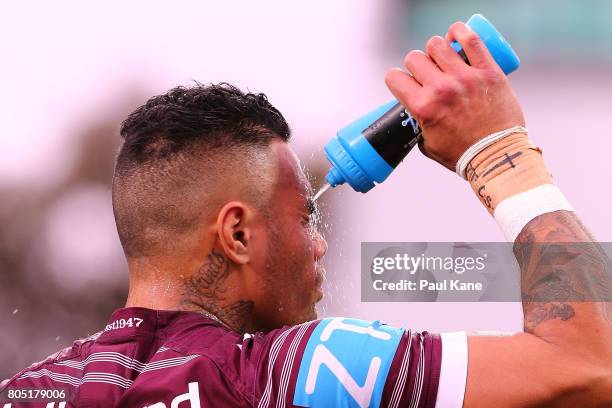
column 412, row 57
column 446, row 89
column 426, row 116
column 426, row 110
column 417, row 108
column 472, row 39
column 457, row 25
column 389, row 76
column 432, row 44
column 493, row 77
column 465, row 78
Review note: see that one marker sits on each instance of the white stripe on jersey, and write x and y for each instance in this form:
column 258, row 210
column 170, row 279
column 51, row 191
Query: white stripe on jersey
column 64, row 378
column 398, row 389
column 418, row 383
column 75, row 382
column 113, row 357
column 171, row 362
column 60, row 352
column 288, row 365
column 107, row 378
column 276, row 346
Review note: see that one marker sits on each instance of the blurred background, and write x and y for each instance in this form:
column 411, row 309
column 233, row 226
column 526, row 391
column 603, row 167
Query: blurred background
column 72, row 71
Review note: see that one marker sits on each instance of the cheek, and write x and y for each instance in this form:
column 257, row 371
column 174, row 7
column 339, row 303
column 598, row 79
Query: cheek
column 260, row 248
column 304, row 246
column 294, row 254
column 307, row 266
column 296, row 238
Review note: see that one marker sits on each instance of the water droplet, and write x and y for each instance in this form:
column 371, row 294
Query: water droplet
column 57, row 338
column 323, row 189
column 15, row 311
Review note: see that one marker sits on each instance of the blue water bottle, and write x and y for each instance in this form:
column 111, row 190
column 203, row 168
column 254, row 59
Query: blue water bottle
column 366, row 151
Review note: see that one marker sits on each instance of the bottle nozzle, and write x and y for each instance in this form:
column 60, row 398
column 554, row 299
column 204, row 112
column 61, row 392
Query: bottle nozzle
column 334, row 177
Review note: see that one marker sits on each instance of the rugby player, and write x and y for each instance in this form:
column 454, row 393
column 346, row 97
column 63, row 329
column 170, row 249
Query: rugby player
column 214, row 215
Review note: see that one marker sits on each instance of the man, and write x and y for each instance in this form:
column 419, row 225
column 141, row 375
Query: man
column 215, row 218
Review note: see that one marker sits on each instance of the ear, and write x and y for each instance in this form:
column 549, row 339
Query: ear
column 233, row 225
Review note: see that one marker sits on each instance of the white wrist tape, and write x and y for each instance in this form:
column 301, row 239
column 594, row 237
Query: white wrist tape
column 480, row 145
column 513, row 213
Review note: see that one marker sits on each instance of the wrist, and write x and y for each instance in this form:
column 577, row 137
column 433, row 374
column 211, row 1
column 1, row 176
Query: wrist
column 510, row 178
column 507, row 167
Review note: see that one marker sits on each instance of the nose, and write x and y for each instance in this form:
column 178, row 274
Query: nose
column 320, row 247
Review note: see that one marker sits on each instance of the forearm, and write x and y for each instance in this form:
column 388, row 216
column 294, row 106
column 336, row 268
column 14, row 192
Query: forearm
column 566, row 281
column 563, row 269
column 564, row 358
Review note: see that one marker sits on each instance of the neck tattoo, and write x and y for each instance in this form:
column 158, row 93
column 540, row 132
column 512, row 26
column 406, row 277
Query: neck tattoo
column 206, row 292
column 215, row 318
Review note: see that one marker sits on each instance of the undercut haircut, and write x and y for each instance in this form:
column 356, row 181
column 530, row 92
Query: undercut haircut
column 179, row 150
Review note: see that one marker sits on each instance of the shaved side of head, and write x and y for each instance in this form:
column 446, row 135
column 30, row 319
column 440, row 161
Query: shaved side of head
column 185, row 154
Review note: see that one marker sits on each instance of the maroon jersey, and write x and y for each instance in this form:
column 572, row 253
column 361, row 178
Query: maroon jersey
column 156, row 359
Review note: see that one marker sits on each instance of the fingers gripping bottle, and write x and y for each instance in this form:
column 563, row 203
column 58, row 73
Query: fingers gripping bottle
column 366, row 151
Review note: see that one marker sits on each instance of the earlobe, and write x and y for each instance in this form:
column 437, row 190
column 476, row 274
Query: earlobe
column 233, row 229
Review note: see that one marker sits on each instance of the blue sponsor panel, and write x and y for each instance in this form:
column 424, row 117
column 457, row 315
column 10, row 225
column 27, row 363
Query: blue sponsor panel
column 346, row 363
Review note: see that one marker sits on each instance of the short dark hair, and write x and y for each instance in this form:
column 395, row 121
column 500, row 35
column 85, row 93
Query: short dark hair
column 167, row 139
column 218, row 114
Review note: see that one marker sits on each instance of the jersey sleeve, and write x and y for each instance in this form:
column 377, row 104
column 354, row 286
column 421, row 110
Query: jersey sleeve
column 347, row 362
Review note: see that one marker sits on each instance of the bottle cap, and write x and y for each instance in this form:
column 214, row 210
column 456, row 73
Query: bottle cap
column 499, row 48
column 344, row 168
column 356, row 162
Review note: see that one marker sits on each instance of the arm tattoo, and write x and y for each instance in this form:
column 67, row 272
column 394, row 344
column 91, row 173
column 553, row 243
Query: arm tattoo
column 207, row 290
column 561, row 265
